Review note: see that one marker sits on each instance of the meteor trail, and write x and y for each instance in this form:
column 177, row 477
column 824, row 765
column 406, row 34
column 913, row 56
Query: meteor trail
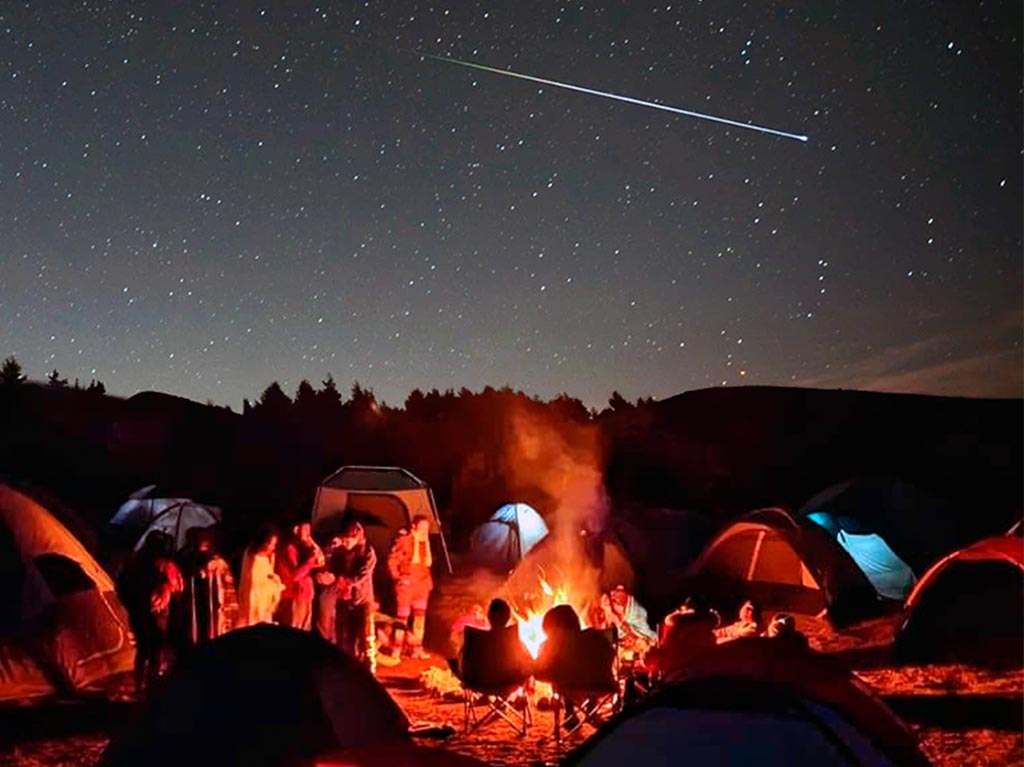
column 617, row 97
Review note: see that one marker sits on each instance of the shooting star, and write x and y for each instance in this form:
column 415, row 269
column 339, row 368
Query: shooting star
column 617, row 97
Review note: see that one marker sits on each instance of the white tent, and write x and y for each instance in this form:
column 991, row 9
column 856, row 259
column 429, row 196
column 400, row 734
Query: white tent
column 504, row 539
column 178, row 519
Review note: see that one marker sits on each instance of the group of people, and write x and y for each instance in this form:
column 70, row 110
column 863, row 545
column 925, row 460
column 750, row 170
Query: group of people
column 574, row 657
column 694, row 629
column 176, row 600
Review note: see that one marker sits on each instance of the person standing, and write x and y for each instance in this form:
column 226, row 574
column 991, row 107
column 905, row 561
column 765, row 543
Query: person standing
column 259, row 588
column 352, row 565
column 409, row 563
column 210, row 602
column 147, row 587
column 296, row 560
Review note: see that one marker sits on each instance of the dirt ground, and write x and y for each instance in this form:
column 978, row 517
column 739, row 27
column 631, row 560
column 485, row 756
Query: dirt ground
column 946, row 745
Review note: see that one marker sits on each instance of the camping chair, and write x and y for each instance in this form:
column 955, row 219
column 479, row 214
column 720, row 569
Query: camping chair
column 591, row 684
column 489, row 678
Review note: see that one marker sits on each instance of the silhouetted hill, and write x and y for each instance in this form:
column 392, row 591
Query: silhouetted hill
column 716, row 451
column 729, row 449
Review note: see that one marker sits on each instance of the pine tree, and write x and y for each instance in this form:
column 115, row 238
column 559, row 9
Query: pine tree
column 274, row 399
column 329, row 396
column 11, row 373
column 55, row 381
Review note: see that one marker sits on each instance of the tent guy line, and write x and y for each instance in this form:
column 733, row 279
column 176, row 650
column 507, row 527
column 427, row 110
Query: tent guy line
column 616, row 97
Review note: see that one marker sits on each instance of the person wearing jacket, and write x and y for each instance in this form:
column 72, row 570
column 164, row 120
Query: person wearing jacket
column 297, row 558
column 352, row 565
column 409, row 564
column 149, row 586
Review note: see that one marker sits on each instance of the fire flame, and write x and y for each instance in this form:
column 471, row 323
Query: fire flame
column 531, row 633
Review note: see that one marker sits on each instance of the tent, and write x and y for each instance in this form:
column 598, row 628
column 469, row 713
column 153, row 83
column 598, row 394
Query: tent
column 782, row 563
column 893, row 530
column 969, row 607
column 756, row 701
column 178, row 519
column 263, row 695
column 504, row 539
column 62, row 627
column 384, row 498
column 136, row 513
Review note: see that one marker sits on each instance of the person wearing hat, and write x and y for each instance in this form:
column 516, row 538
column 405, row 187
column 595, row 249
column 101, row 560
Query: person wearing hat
column 352, row 564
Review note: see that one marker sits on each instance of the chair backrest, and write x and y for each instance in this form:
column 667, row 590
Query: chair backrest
column 489, row 660
column 588, row 666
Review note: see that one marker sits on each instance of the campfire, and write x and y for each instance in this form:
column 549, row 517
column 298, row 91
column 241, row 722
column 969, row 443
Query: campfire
column 531, row 633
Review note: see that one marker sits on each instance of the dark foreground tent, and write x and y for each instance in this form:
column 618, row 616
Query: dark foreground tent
column 969, row 608
column 756, row 701
column 504, row 539
column 62, row 627
column 266, row 696
column 782, row 563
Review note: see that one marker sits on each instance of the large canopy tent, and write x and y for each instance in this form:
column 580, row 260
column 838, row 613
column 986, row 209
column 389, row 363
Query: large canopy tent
column 62, row 627
column 504, row 539
column 969, row 608
column 756, row 701
column 385, row 499
column 782, row 563
column 263, row 695
column 893, row 530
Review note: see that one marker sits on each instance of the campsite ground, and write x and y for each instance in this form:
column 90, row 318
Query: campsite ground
column 952, row 707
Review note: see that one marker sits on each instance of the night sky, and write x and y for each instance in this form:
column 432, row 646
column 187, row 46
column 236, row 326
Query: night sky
column 201, row 200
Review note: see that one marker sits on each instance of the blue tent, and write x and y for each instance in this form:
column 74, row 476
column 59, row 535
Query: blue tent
column 882, row 524
column 503, row 540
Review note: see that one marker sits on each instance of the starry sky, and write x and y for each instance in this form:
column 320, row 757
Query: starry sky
column 204, row 197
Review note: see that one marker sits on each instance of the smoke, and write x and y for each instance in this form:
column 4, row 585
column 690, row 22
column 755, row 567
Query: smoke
column 563, row 461
column 560, row 461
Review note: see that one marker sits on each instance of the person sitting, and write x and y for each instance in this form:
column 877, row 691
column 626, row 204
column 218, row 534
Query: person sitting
column 572, row 660
column 747, row 625
column 496, row 657
column 686, row 636
column 783, row 628
column 629, row 618
column 476, row 618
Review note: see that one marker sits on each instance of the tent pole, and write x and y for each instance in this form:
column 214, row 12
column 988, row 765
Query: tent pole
column 440, row 530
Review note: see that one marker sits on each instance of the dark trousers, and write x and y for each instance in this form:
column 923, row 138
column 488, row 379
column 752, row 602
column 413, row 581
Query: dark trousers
column 352, row 627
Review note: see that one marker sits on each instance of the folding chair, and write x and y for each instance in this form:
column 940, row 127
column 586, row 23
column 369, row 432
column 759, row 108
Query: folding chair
column 591, row 685
column 490, row 680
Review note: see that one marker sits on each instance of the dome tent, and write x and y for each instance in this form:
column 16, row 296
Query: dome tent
column 504, row 539
column 969, row 608
column 756, row 701
column 893, row 530
column 263, row 695
column 178, row 519
column 62, row 627
column 783, row 563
